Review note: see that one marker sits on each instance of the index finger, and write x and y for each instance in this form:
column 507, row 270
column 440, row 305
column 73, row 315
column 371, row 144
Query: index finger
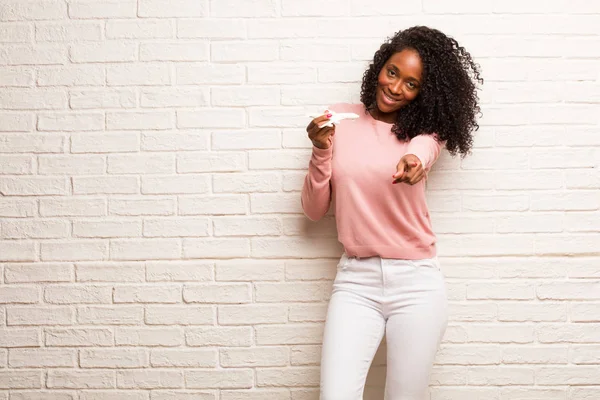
column 318, row 120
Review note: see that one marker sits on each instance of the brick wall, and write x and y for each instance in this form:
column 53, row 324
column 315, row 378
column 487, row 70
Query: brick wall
column 152, row 243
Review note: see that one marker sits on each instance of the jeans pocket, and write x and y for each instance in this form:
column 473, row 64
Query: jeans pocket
column 427, row 263
column 343, row 263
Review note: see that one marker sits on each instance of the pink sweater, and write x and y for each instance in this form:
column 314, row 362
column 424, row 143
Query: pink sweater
column 373, row 216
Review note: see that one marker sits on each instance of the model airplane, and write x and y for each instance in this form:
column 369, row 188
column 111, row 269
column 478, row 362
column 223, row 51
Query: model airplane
column 335, row 118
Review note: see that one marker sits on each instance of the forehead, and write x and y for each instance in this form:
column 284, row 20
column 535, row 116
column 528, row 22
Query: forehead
column 408, row 61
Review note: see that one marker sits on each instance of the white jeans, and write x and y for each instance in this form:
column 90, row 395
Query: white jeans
column 406, row 300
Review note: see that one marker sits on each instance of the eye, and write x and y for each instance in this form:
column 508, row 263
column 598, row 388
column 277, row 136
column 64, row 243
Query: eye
column 391, row 72
column 411, row 85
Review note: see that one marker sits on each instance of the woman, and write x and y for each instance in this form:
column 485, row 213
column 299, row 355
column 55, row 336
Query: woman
column 418, row 95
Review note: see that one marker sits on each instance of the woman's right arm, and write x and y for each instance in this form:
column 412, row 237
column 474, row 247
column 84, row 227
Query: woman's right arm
column 316, row 191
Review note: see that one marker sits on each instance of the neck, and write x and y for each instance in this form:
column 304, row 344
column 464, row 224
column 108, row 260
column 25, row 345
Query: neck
column 389, row 118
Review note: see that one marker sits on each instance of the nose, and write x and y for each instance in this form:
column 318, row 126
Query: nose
column 396, row 87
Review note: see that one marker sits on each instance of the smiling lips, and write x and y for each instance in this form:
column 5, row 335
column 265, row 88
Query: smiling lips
column 388, row 99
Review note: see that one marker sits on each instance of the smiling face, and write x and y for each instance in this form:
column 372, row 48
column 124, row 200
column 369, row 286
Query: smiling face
column 398, row 83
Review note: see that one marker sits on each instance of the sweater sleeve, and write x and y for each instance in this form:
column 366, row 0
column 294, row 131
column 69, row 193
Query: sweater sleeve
column 316, row 191
column 427, row 148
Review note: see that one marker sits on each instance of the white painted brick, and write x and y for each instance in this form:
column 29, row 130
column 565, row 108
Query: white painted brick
column 521, row 312
column 71, row 165
column 182, row 97
column 305, row 355
column 71, row 122
column 530, row 223
column 176, row 184
column 145, row 120
column 147, row 249
column 468, row 355
column 277, row 117
column 275, row 203
column 488, row 375
column 16, row 165
column 24, row 99
column 237, row 226
column 244, row 51
column 106, row 185
column 473, row 312
column 19, row 294
column 174, row 140
column 39, row 316
column 84, row 337
column 269, row 394
column 216, row 248
column 176, row 8
column 245, row 96
column 16, row 337
column 569, row 290
column 582, row 222
column 16, row 76
column 249, row 270
column 584, row 312
column 174, row 271
column 73, row 379
column 573, row 375
column 32, row 10
column 288, row 292
column 312, row 8
column 110, row 315
column 532, row 393
column 114, row 358
column 360, row 8
column 576, row 200
column 173, row 227
column 234, row 293
column 211, row 118
column 207, row 28
column 286, row 159
column 584, row 354
column 103, row 98
column 310, row 270
column 250, row 139
column 16, row 122
column 571, row 333
column 102, row 9
column 255, row 357
column 500, row 202
column 566, row 245
column 80, row 294
column 34, row 55
column 302, row 51
column 80, row 75
column 33, row 186
column 295, row 247
column 505, row 333
column 219, row 336
column 38, row 229
column 308, row 312
column 211, row 162
column 62, row 207
column 18, row 208
column 38, row 272
column 165, row 294
column 142, row 163
column 209, row 205
column 307, row 94
column 247, row 182
column 139, row 29
column 281, row 73
column 113, row 272
column 109, row 51
column 239, row 8
column 461, row 224
column 186, row 315
column 74, row 250
column 41, row 358
column 225, row 379
column 583, row 179
column 105, row 142
column 535, row 355
column 150, row 379
column 184, row 51
column 21, row 379
column 15, row 33
column 67, row 32
column 183, row 395
column 306, row 333
column 209, row 74
column 141, row 206
column 103, row 228
column 184, row 358
column 164, row 337
column 138, row 74
column 252, row 315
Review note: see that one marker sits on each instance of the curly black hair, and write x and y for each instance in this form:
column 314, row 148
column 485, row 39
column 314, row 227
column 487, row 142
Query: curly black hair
column 447, row 103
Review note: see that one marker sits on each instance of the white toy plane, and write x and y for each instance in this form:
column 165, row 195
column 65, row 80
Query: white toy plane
column 336, row 118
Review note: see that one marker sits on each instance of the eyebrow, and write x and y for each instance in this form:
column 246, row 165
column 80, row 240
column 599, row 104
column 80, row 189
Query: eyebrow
column 410, row 77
